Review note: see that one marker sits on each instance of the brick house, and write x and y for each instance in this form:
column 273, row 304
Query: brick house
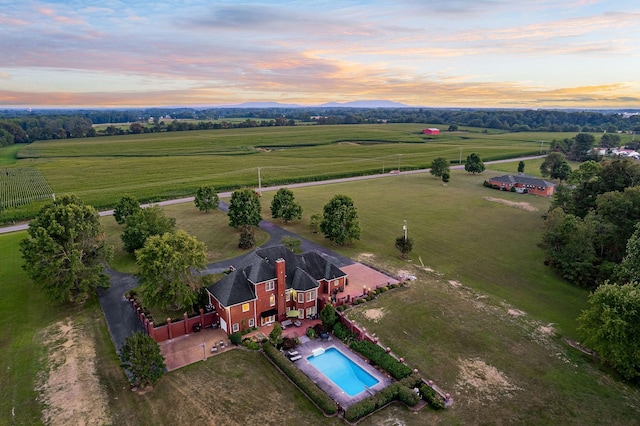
column 524, row 184
column 274, row 285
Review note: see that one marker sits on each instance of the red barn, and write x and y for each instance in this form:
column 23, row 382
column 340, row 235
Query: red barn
column 431, row 131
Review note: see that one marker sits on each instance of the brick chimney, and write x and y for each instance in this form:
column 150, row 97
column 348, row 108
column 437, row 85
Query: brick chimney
column 281, row 288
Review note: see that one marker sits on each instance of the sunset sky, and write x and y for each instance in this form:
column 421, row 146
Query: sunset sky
column 465, row 53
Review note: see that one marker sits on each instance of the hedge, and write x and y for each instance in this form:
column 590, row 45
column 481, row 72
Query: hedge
column 432, row 397
column 394, row 392
column 312, row 391
column 380, row 357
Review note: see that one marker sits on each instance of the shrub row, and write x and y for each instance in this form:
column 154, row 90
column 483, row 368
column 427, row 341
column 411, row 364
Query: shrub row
column 396, row 391
column 380, row 357
column 431, row 397
column 316, row 394
column 343, row 333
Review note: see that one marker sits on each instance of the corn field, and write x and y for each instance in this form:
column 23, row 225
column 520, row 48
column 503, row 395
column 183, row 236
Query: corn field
column 22, row 185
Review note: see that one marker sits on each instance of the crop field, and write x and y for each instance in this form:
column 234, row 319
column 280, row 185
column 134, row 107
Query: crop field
column 22, row 185
column 160, row 166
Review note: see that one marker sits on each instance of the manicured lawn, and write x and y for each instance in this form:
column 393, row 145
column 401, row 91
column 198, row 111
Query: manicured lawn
column 498, row 367
column 485, row 245
column 23, row 313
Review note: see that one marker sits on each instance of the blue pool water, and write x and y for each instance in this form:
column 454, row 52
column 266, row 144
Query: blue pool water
column 346, row 374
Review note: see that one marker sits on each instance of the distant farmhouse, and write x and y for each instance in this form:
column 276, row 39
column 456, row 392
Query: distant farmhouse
column 523, row 184
column 431, row 131
column 274, row 285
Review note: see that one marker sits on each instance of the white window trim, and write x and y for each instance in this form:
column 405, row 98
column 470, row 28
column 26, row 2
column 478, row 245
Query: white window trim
column 300, row 297
column 252, row 323
column 272, row 300
column 236, row 327
column 311, row 296
column 270, row 286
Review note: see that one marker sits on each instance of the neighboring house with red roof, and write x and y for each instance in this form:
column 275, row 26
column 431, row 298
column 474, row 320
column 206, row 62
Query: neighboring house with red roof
column 274, row 285
column 524, row 184
column 431, row 131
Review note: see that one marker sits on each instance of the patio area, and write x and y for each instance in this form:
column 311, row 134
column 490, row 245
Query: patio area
column 361, row 280
column 194, row 347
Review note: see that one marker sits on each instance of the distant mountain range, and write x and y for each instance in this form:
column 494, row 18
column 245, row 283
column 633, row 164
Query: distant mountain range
column 354, row 104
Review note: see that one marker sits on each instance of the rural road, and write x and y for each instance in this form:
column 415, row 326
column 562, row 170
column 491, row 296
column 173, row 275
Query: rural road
column 24, row 226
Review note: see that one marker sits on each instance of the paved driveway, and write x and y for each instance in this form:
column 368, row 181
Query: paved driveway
column 122, row 321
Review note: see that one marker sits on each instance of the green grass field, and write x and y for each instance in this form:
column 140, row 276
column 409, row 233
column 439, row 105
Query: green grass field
column 488, row 248
column 168, row 165
column 483, row 245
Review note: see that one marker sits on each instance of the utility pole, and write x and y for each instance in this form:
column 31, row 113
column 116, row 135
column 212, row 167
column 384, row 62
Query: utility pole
column 399, row 155
column 460, row 160
column 404, row 228
column 259, row 183
column 541, row 144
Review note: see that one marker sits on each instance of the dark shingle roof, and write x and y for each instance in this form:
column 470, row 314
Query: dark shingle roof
column 303, row 272
column 233, row 289
column 524, row 179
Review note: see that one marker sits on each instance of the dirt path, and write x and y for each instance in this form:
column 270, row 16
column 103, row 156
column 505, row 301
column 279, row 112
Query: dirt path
column 70, row 390
column 522, row 205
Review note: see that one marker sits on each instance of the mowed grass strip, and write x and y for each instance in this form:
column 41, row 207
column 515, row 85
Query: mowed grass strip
column 23, row 314
column 486, row 245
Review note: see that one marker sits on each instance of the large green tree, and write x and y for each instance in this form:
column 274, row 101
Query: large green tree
column 127, row 206
column 474, row 164
column 166, row 266
column 144, row 224
column 244, row 208
column 141, row 356
column 340, row 220
column 629, row 269
column 581, row 147
column 65, row 251
column 568, row 241
column 206, row 199
column 439, row 166
column 284, row 206
column 610, row 140
column 611, row 327
column 555, row 166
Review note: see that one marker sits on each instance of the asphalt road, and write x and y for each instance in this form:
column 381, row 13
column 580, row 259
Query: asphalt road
column 25, row 225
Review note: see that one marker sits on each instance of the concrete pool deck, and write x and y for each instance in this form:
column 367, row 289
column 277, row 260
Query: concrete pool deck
column 306, row 349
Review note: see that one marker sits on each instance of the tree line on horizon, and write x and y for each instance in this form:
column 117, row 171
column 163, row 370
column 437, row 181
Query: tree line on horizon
column 17, row 126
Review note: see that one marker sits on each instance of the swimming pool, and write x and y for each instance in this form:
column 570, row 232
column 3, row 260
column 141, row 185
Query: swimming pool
column 346, row 374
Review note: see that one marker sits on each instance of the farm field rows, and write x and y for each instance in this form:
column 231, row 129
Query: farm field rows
column 168, row 165
column 22, row 185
